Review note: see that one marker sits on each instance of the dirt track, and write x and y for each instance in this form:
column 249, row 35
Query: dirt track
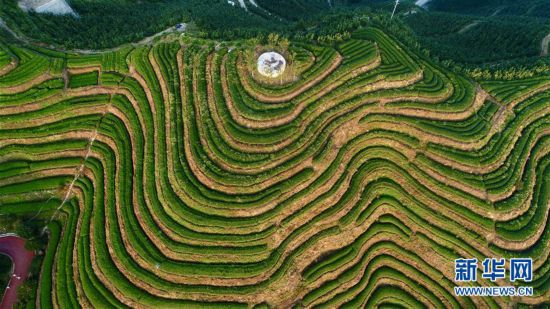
column 14, row 247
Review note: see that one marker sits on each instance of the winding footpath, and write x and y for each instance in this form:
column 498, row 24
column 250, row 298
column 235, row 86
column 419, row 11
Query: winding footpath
column 14, row 247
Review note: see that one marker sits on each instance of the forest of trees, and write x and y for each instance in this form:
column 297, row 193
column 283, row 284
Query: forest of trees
column 495, row 46
column 294, row 10
column 101, row 24
column 104, row 24
column 531, row 8
column 471, row 39
column 27, row 228
column 5, row 272
column 514, row 68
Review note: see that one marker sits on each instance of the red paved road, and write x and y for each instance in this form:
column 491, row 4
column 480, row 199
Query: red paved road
column 14, row 247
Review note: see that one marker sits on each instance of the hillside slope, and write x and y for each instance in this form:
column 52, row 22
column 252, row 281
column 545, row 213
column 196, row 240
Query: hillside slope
column 172, row 178
column 525, row 8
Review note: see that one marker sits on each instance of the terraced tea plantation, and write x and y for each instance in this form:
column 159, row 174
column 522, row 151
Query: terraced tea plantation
column 171, row 177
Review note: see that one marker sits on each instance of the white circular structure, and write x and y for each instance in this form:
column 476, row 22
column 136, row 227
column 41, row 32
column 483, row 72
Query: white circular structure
column 271, row 64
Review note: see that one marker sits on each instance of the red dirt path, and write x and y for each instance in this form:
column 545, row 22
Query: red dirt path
column 14, row 247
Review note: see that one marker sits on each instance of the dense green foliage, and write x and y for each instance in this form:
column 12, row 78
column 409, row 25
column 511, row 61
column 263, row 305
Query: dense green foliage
column 100, row 24
column 104, row 24
column 4, row 58
column 294, row 9
column 5, row 272
column 468, row 36
column 528, row 8
column 27, row 292
column 468, row 39
column 515, row 68
column 85, row 79
column 24, row 226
